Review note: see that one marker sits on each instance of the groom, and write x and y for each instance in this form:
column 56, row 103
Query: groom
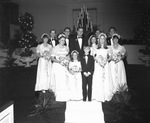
column 78, row 40
column 87, row 63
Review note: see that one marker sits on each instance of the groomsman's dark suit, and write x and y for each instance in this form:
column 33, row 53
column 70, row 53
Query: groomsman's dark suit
column 108, row 40
column 69, row 43
column 87, row 81
column 53, row 41
column 74, row 43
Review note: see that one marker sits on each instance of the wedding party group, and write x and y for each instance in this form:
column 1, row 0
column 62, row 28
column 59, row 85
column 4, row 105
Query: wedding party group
column 76, row 68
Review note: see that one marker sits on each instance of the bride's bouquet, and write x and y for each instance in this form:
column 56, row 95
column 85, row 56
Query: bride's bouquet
column 46, row 55
column 64, row 61
column 102, row 61
column 116, row 57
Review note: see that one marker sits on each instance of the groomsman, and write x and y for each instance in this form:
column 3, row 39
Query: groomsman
column 112, row 31
column 78, row 41
column 68, row 43
column 87, row 64
column 97, row 33
column 53, row 40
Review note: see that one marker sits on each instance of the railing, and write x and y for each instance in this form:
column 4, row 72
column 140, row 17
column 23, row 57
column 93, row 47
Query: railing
column 7, row 113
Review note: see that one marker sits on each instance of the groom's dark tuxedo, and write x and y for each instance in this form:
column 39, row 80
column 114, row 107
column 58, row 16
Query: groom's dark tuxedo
column 87, row 81
column 78, row 43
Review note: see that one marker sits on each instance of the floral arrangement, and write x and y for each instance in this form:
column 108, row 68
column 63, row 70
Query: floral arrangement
column 145, row 51
column 75, row 69
column 46, row 55
column 27, row 52
column 116, row 57
column 64, row 61
column 102, row 61
column 144, row 55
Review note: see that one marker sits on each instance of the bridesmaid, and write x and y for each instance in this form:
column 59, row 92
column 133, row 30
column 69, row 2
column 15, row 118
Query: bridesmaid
column 92, row 42
column 59, row 78
column 118, row 72
column 44, row 64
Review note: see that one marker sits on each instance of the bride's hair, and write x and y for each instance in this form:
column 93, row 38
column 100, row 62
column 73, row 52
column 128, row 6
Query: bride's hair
column 61, row 35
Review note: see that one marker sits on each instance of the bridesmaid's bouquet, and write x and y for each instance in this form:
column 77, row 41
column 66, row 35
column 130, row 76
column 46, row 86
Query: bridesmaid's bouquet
column 116, row 57
column 46, row 55
column 102, row 61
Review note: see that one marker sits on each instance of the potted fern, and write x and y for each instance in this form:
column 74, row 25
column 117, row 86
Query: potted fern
column 44, row 104
column 122, row 108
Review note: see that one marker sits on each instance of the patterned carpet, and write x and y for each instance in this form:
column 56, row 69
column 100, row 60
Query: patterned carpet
column 17, row 84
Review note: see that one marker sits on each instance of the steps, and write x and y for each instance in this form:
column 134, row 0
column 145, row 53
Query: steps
column 84, row 112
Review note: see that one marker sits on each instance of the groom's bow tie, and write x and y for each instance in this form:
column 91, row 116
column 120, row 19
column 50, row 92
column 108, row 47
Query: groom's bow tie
column 79, row 37
column 85, row 55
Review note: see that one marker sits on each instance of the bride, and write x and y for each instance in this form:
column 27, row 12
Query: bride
column 59, row 80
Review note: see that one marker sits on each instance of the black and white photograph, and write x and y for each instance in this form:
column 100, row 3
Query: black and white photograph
column 74, row 61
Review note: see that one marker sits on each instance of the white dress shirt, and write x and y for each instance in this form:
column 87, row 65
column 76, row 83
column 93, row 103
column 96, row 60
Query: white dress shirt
column 80, row 42
column 86, row 59
column 67, row 42
column 53, row 42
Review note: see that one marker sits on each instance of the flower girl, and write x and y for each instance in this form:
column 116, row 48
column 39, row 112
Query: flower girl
column 102, row 80
column 44, row 65
column 75, row 78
